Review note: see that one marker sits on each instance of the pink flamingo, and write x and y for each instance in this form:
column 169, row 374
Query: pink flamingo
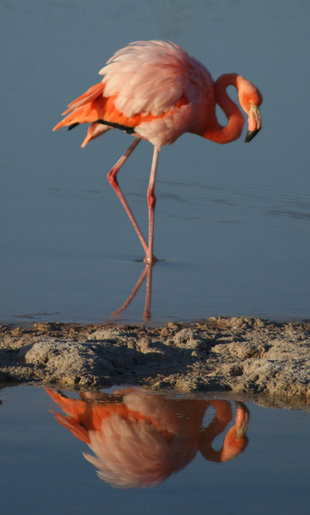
column 139, row 439
column 155, row 91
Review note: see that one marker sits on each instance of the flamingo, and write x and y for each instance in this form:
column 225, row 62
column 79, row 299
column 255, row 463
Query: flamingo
column 155, row 91
column 139, row 439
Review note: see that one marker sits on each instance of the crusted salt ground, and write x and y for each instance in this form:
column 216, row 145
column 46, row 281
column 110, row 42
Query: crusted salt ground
column 243, row 357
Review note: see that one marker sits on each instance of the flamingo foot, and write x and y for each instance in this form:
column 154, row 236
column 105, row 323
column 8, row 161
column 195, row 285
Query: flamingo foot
column 150, row 261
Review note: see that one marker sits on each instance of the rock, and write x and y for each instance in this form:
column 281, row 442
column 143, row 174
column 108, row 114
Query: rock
column 244, row 356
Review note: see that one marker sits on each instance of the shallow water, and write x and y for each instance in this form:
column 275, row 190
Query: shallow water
column 44, row 469
column 232, row 222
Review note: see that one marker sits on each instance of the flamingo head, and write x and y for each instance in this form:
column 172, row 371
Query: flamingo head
column 254, row 122
column 250, row 99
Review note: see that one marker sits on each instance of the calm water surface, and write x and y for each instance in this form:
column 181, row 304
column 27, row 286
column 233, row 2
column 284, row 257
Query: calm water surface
column 232, row 222
column 168, row 454
column 232, row 238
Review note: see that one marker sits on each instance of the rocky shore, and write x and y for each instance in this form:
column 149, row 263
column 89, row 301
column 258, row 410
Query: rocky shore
column 243, row 357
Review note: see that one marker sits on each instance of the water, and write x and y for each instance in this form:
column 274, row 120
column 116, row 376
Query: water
column 232, row 222
column 232, row 233
column 44, row 471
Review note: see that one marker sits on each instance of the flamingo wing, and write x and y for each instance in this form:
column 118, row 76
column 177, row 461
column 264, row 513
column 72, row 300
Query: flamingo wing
column 153, row 87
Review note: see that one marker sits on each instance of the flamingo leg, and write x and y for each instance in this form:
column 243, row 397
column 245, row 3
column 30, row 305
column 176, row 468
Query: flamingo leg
column 114, row 183
column 151, row 201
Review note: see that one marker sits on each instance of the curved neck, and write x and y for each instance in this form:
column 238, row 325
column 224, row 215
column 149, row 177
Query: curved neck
column 231, row 131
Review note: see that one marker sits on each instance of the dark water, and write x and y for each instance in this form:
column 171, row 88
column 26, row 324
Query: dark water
column 186, row 445
column 232, row 222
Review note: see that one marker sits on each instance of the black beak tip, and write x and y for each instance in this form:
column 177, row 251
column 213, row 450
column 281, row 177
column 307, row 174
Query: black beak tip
column 250, row 135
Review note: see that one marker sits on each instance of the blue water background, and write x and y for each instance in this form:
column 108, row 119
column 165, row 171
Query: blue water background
column 43, row 469
column 232, row 222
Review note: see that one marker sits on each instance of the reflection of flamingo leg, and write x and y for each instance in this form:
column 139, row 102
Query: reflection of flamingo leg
column 147, row 307
column 134, row 291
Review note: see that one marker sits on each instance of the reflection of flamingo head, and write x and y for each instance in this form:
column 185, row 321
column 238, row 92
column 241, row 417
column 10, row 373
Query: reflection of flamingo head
column 236, row 440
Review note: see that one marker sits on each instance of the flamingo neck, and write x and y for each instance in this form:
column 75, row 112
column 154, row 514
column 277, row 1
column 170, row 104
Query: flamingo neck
column 231, row 131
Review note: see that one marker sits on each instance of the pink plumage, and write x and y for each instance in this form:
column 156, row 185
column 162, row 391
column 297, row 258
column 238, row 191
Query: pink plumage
column 155, row 91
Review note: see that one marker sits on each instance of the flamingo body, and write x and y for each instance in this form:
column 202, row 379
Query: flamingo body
column 155, row 91
column 139, row 439
column 154, row 87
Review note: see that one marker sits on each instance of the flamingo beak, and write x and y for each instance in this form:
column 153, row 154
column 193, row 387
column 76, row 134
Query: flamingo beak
column 254, row 123
column 242, row 419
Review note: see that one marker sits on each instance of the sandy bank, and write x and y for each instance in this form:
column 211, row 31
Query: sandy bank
column 245, row 356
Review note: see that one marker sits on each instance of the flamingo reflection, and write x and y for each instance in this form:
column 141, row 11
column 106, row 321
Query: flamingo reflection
column 140, row 438
column 147, row 272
